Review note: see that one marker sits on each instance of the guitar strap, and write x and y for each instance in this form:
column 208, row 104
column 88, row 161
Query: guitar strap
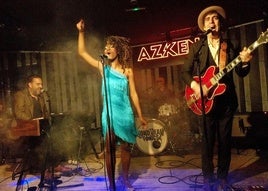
column 223, row 55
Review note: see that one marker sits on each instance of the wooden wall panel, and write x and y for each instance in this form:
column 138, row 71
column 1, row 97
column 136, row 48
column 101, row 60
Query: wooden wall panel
column 263, row 68
column 246, row 80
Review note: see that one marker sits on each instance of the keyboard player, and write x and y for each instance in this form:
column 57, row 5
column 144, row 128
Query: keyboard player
column 30, row 106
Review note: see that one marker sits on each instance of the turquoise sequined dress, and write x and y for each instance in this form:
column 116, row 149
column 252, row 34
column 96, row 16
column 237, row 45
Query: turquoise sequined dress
column 121, row 113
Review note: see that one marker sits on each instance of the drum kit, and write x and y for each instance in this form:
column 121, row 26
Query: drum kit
column 155, row 138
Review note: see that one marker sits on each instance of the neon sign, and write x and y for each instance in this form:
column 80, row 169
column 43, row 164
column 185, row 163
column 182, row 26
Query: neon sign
column 165, row 50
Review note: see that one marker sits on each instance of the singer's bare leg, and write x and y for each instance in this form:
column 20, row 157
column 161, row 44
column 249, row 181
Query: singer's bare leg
column 110, row 159
column 125, row 160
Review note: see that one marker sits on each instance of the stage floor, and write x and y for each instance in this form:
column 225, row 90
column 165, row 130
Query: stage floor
column 165, row 171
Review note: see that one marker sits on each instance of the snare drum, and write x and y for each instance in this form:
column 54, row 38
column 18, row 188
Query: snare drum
column 167, row 110
column 153, row 139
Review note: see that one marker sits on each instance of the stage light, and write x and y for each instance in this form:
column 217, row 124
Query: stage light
column 135, row 9
column 134, row 6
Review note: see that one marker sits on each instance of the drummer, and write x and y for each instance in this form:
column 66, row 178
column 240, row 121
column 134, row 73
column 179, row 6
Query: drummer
column 161, row 94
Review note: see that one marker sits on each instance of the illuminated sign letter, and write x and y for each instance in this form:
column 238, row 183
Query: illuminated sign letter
column 156, row 49
column 183, row 47
column 143, row 55
column 168, row 49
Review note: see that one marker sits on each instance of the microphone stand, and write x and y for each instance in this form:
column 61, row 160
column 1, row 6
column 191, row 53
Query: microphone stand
column 112, row 153
column 197, row 61
column 47, row 99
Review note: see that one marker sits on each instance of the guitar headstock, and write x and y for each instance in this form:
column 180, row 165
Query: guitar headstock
column 263, row 37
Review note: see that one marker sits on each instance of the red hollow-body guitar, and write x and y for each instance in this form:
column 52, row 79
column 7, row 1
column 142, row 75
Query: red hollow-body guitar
column 210, row 81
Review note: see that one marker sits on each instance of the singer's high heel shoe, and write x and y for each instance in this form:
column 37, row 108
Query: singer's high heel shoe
column 128, row 186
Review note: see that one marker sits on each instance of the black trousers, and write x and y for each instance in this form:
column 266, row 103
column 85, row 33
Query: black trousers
column 218, row 128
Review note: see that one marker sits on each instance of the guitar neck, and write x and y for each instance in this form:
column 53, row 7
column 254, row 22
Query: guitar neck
column 233, row 64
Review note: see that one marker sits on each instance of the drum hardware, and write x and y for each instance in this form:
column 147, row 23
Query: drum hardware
column 173, row 148
column 167, row 110
column 82, row 129
column 171, row 140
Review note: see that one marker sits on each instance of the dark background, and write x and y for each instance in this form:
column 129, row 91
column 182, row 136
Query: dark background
column 48, row 24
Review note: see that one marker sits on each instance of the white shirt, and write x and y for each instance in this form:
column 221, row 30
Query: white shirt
column 214, row 50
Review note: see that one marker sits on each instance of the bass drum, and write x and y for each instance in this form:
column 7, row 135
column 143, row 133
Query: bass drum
column 153, row 139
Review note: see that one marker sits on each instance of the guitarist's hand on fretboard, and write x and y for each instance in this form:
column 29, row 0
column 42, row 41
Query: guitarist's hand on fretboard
column 245, row 55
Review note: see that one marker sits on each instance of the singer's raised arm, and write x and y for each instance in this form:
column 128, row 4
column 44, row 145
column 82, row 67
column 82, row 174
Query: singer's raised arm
column 82, row 47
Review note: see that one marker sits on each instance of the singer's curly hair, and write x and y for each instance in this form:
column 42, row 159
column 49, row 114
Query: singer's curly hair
column 122, row 46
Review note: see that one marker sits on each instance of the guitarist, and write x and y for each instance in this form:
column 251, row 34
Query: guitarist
column 215, row 49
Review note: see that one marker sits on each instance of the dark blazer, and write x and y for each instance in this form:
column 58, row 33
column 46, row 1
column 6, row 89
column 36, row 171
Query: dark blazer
column 23, row 105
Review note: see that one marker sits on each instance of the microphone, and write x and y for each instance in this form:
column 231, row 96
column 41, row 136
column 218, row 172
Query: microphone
column 103, row 56
column 43, row 91
column 206, row 32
